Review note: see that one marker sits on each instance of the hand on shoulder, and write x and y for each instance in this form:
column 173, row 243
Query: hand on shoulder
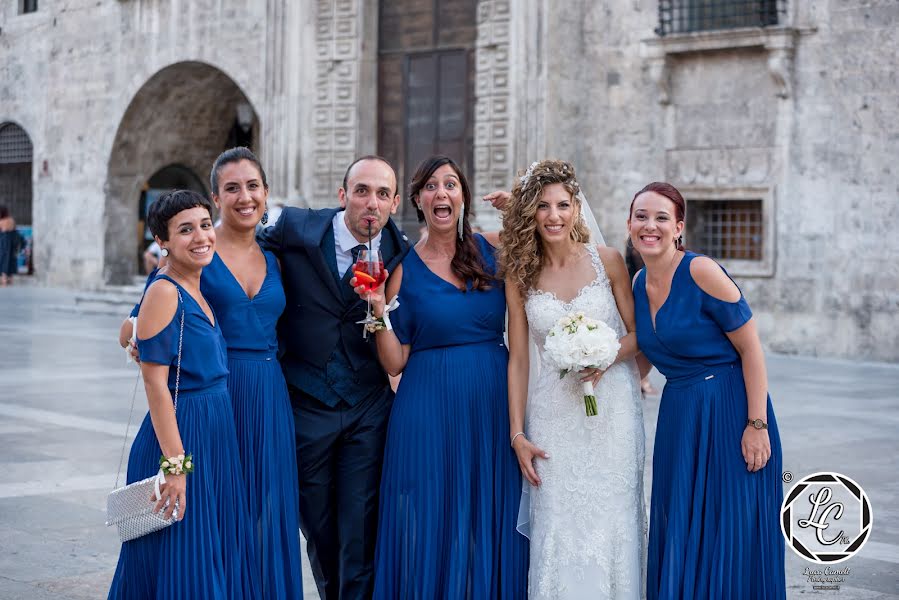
column 157, row 309
column 712, row 279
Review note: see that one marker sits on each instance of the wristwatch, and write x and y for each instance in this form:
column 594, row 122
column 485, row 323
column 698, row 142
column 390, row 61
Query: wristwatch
column 757, row 423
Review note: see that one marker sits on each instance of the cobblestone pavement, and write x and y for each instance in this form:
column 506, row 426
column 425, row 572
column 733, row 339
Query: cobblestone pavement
column 64, row 400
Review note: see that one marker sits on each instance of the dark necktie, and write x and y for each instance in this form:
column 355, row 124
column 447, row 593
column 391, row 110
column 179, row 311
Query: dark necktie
column 356, row 250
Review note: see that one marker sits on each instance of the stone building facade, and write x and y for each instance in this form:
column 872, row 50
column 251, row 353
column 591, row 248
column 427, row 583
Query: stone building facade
column 783, row 137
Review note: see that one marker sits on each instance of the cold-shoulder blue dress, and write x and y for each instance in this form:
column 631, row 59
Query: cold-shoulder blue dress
column 714, row 526
column 450, row 485
column 211, row 553
column 263, row 418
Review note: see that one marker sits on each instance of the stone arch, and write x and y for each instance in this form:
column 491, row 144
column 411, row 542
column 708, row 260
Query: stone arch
column 16, row 183
column 185, row 114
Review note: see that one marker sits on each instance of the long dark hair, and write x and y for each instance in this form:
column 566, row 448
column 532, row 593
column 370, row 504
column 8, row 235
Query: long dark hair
column 670, row 192
column 468, row 264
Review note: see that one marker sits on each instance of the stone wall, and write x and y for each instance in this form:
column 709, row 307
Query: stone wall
column 70, row 72
column 779, row 114
column 802, row 116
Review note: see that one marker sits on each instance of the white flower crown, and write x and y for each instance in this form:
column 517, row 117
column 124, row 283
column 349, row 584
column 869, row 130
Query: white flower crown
column 530, row 172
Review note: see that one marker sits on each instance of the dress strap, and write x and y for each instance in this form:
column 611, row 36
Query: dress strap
column 597, row 262
column 167, row 278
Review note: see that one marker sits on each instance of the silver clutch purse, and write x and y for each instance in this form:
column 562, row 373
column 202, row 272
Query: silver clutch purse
column 130, row 508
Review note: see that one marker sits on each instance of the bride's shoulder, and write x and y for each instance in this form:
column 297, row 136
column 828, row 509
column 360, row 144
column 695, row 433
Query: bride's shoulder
column 613, row 263
column 608, row 253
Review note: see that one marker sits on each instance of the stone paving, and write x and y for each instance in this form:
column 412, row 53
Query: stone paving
column 64, row 399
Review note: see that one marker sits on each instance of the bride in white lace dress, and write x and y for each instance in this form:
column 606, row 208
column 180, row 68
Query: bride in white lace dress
column 586, row 518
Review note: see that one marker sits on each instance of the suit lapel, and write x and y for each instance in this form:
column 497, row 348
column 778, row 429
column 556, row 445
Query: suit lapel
column 319, row 238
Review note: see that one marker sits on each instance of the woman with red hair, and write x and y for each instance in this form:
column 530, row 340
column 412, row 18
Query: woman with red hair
column 716, row 490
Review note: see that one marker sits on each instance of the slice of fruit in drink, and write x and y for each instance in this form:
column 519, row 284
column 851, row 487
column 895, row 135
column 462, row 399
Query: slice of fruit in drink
column 364, row 279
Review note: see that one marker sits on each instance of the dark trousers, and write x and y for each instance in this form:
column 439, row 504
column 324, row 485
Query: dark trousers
column 339, row 455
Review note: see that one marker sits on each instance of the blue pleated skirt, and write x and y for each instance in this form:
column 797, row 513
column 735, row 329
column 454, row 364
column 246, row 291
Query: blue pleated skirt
column 211, row 553
column 450, row 486
column 265, row 435
column 714, row 527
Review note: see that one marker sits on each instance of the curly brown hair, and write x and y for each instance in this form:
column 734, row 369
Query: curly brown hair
column 467, row 264
column 521, row 256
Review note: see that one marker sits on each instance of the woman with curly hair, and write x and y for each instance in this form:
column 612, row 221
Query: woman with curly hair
column 450, row 486
column 586, row 516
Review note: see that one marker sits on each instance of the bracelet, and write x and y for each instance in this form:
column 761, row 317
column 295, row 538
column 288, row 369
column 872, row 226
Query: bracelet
column 515, row 436
column 176, row 465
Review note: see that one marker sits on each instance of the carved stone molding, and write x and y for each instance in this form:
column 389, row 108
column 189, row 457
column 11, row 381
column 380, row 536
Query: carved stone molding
column 779, row 42
column 334, row 120
column 493, row 117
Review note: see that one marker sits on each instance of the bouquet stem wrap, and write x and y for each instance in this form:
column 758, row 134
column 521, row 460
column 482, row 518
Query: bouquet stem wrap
column 589, row 398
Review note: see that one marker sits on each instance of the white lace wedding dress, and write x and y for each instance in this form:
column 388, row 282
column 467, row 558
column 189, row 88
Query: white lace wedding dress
column 587, row 518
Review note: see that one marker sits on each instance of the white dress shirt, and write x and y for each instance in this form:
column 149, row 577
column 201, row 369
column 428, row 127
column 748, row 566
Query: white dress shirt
column 344, row 242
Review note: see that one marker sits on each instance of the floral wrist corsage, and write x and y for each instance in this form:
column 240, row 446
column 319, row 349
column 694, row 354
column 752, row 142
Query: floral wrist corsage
column 383, row 322
column 176, row 465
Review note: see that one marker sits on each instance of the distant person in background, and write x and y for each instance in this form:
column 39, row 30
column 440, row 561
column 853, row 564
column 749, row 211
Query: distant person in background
column 10, row 244
column 634, row 263
column 152, row 258
column 274, row 211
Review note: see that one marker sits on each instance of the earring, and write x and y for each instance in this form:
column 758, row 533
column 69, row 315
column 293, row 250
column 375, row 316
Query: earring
column 164, row 252
column 462, row 221
column 265, row 217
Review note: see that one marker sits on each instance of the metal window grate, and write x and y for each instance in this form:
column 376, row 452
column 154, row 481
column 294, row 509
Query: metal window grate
column 15, row 147
column 726, row 229
column 684, row 16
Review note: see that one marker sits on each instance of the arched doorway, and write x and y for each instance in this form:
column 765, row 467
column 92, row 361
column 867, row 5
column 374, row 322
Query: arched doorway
column 16, row 156
column 174, row 127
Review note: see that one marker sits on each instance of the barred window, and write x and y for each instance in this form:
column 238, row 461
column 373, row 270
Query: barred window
column 685, row 16
column 726, row 229
column 27, row 6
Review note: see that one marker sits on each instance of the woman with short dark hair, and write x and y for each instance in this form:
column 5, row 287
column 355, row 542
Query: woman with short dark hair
column 189, row 430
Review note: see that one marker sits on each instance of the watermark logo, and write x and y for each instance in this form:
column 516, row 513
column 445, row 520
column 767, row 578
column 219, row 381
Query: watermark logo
column 825, row 517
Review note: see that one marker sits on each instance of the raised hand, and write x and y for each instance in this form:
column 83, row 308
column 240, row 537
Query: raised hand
column 499, row 199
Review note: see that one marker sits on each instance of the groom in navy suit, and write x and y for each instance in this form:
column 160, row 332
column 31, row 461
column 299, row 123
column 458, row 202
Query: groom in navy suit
column 340, row 394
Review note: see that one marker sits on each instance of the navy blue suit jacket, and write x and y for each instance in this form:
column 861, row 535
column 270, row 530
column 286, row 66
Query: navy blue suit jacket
column 320, row 316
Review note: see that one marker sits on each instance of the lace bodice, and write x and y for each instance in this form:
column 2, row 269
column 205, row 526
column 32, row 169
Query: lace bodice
column 587, row 518
column 595, row 299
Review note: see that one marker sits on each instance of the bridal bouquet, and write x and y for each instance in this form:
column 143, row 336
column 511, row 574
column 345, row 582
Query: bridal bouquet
column 577, row 342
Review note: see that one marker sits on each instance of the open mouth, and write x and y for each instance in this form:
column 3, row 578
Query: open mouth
column 246, row 211
column 553, row 228
column 443, row 211
column 201, row 250
column 650, row 239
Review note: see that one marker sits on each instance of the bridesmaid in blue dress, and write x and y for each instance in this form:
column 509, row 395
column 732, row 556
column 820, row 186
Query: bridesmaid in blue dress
column 243, row 285
column 716, row 490
column 210, row 551
column 450, row 486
